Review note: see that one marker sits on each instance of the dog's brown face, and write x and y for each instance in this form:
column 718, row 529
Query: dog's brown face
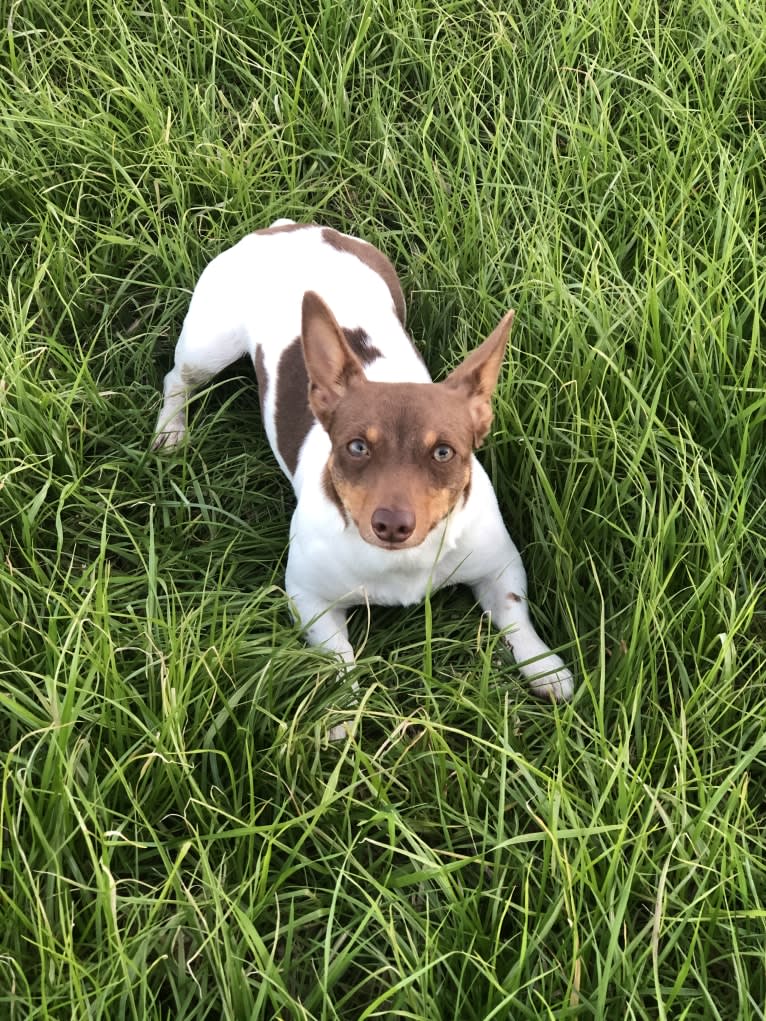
column 401, row 459
column 401, row 452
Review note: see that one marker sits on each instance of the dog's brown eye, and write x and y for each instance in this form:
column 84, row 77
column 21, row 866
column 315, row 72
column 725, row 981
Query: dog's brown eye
column 443, row 452
column 358, row 448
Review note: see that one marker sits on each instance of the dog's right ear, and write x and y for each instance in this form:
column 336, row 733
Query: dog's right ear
column 330, row 363
column 477, row 377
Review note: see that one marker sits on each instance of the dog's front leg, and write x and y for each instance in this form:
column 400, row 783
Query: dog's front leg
column 504, row 596
column 325, row 626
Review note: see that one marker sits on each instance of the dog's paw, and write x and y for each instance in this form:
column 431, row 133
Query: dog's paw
column 169, row 437
column 550, row 679
column 339, row 732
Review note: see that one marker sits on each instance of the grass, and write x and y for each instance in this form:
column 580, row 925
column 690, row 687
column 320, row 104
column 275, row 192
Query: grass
column 177, row 838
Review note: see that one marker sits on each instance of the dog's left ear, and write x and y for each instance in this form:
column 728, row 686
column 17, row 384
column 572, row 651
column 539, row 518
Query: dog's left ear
column 331, row 365
column 477, row 376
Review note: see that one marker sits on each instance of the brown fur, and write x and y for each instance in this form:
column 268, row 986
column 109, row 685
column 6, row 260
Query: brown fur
column 360, row 344
column 401, row 424
column 476, row 377
column 329, row 361
column 329, row 490
column 283, row 228
column 261, row 375
column 398, row 422
column 293, row 416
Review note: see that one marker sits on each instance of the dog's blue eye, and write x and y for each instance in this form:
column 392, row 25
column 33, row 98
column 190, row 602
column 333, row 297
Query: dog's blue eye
column 443, row 452
column 358, row 448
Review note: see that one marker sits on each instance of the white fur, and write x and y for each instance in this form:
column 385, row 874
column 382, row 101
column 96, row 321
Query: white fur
column 251, row 296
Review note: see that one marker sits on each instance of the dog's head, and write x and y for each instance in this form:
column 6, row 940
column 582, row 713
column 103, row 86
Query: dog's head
column 401, row 452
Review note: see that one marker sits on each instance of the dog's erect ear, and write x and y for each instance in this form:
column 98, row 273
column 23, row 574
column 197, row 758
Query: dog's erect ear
column 477, row 376
column 330, row 363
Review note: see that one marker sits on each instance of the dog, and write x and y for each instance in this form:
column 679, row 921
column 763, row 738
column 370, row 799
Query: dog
column 392, row 502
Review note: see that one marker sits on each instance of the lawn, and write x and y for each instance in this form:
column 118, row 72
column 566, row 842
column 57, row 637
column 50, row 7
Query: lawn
column 178, row 839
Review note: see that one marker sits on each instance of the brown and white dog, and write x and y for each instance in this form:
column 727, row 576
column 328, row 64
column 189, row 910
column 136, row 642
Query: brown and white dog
column 392, row 503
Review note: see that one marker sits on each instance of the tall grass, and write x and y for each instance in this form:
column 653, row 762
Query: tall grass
column 178, row 839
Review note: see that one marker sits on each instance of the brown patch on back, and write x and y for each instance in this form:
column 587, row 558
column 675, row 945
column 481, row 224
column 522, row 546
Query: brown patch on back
column 284, row 228
column 513, row 597
column 293, row 417
column 374, row 259
column 360, row 344
column 261, row 375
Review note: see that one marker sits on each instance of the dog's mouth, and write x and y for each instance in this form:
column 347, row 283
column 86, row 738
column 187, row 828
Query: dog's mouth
column 391, row 545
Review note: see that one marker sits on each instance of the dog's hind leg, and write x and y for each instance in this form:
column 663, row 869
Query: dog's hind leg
column 179, row 384
column 202, row 351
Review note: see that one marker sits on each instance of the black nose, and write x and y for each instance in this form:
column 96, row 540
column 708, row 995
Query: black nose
column 393, row 525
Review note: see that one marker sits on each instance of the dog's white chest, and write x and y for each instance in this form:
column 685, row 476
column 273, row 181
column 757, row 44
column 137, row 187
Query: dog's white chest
column 336, row 562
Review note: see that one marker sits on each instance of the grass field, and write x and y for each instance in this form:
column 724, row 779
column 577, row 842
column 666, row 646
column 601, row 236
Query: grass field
column 178, row 840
